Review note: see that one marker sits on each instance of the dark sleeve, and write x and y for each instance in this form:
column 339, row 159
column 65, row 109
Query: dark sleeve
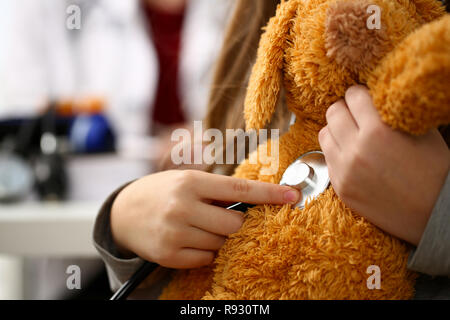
column 432, row 255
column 118, row 268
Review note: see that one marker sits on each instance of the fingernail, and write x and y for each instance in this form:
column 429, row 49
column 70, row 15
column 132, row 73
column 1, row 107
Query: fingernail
column 292, row 196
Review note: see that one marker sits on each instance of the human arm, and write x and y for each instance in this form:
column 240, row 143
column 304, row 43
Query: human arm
column 170, row 218
column 119, row 268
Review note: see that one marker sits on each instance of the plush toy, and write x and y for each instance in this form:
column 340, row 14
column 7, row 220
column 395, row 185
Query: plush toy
column 315, row 50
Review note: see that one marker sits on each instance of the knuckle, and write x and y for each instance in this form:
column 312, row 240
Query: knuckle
column 188, row 176
column 173, row 208
column 356, row 94
column 184, row 179
column 241, row 186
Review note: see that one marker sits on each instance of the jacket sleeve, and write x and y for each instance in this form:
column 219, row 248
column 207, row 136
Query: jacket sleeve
column 432, row 255
column 118, row 268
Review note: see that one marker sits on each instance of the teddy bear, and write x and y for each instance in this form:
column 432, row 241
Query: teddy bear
column 315, row 50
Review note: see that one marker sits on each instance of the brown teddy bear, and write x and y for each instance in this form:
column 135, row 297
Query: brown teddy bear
column 315, row 50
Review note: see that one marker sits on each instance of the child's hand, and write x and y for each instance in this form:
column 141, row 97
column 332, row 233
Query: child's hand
column 169, row 217
column 391, row 178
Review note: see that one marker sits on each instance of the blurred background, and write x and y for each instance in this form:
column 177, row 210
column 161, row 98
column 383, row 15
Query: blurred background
column 90, row 91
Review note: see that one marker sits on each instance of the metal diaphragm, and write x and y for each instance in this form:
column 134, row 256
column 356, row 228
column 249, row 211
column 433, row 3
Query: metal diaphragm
column 308, row 174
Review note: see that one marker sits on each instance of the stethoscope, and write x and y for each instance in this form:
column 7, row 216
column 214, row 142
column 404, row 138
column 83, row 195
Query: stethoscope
column 309, row 174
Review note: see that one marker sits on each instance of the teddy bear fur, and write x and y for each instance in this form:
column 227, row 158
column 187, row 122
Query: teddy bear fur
column 315, row 50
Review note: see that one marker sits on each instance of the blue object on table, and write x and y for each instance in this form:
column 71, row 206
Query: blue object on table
column 91, row 134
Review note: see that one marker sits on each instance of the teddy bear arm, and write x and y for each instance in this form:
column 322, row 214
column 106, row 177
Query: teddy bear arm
column 410, row 88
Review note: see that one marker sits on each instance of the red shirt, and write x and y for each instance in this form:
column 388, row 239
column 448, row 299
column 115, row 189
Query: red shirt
column 165, row 31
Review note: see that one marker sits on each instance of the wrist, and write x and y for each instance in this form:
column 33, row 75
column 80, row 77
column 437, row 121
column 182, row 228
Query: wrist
column 425, row 205
column 116, row 230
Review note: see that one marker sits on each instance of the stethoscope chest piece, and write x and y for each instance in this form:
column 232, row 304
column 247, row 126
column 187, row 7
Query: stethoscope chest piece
column 308, row 174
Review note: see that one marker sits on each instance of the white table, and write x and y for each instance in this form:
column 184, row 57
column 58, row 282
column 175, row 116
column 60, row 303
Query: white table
column 50, row 229
column 60, row 230
column 42, row 230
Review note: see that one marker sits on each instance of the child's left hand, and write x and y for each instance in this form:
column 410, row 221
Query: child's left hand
column 389, row 177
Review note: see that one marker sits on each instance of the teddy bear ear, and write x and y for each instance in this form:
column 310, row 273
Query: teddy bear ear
column 349, row 40
column 359, row 33
column 266, row 78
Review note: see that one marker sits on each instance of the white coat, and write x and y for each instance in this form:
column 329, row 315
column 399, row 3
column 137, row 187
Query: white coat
column 111, row 56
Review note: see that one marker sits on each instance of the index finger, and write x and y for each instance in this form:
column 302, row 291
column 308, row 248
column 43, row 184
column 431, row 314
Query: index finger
column 230, row 189
column 360, row 104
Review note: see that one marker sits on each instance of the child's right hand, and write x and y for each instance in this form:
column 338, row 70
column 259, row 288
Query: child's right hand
column 169, row 217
